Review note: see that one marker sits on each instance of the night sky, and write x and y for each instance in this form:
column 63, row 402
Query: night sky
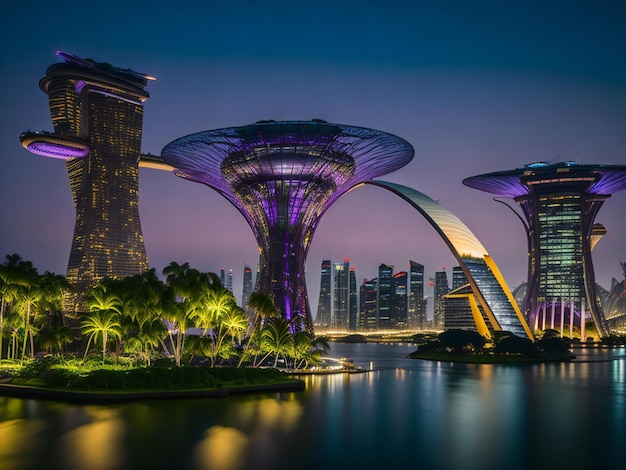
column 474, row 86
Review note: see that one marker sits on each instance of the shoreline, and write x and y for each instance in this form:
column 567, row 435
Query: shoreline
column 101, row 397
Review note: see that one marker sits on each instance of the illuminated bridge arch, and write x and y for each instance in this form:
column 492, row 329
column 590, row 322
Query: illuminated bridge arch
column 484, row 277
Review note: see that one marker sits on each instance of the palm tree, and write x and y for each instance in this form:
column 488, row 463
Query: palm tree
column 265, row 310
column 101, row 323
column 103, row 318
column 144, row 308
column 276, row 339
column 9, row 278
column 307, row 348
column 28, row 295
column 56, row 338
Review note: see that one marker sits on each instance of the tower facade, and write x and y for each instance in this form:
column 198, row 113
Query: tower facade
column 384, row 300
column 400, row 299
column 247, row 286
column 341, row 296
column 441, row 289
column 323, row 317
column 282, row 177
column 353, row 302
column 559, row 203
column 417, row 302
column 368, row 318
column 97, row 114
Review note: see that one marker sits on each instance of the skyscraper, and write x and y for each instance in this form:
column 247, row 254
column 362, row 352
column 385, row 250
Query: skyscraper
column 400, row 300
column 559, row 204
column 367, row 304
column 385, row 297
column 282, row 177
column 441, row 289
column 459, row 279
column 417, row 302
column 341, row 295
column 247, row 286
column 353, row 306
column 323, row 317
column 97, row 114
column 229, row 281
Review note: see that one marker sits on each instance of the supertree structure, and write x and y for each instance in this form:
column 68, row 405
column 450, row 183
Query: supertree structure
column 559, row 202
column 282, row 176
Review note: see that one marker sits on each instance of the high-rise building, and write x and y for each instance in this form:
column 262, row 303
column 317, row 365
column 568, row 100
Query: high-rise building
column 282, row 176
column 353, row 302
column 460, row 308
column 400, row 300
column 368, row 294
column 247, row 286
column 97, row 114
column 385, row 297
column 459, row 279
column 441, row 289
column 324, row 311
column 341, row 296
column 229, row 281
column 223, row 277
column 417, row 302
column 559, row 204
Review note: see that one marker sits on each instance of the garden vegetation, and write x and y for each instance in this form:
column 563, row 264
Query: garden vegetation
column 142, row 332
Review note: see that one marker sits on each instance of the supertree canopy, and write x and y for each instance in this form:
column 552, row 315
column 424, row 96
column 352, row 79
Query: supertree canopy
column 282, row 176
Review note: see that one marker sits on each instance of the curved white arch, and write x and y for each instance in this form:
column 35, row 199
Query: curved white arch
column 481, row 271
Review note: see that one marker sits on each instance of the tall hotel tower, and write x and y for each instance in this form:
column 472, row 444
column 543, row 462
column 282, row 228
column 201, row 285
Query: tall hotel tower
column 97, row 114
column 559, row 202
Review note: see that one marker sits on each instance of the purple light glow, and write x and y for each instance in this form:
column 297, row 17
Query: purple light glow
column 283, row 176
column 57, row 150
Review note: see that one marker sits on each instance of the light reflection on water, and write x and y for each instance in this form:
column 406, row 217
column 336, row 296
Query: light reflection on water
column 402, row 413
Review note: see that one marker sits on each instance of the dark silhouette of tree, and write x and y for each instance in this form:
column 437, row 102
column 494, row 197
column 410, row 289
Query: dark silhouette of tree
column 461, row 340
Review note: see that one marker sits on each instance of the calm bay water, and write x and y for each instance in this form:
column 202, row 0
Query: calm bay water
column 402, row 414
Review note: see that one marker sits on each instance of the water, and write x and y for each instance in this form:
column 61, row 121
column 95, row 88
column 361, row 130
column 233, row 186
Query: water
column 403, row 414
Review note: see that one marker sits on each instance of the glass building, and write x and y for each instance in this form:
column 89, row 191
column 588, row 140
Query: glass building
column 323, row 317
column 97, row 115
column 559, row 204
column 353, row 306
column 417, row 302
column 341, row 296
column 247, row 286
column 282, row 176
column 368, row 318
column 400, row 299
column 384, row 298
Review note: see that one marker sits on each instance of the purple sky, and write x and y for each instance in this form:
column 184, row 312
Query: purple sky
column 474, row 86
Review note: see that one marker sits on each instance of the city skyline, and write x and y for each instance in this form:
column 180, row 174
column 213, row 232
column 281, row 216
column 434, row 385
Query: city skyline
column 549, row 89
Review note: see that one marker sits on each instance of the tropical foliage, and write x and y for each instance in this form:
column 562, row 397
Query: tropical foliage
column 188, row 318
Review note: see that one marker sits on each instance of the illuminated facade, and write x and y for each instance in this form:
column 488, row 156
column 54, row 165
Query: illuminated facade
column 367, row 304
column 97, row 114
column 400, row 299
column 559, row 202
column 282, row 177
column 323, row 317
column 247, row 286
column 486, row 281
column 341, row 295
column 384, row 297
column 417, row 302
column 615, row 309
